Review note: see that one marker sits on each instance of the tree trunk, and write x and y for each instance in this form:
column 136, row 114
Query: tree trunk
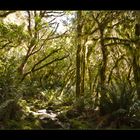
column 136, row 68
column 78, row 55
column 104, row 64
column 136, row 58
column 83, row 70
column 103, row 72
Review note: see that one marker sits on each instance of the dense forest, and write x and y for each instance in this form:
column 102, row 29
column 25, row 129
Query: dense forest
column 69, row 70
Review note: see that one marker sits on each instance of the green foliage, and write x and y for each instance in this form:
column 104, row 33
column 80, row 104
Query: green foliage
column 49, row 78
column 22, row 125
column 77, row 124
column 12, row 35
column 119, row 97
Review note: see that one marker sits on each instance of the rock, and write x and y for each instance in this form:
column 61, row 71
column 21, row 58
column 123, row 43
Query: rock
column 52, row 116
column 42, row 111
column 47, row 123
column 49, row 120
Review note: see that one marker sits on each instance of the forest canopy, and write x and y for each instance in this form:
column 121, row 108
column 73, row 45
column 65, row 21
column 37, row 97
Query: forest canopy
column 69, row 69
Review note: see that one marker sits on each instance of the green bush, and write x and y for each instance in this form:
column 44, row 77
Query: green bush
column 120, row 95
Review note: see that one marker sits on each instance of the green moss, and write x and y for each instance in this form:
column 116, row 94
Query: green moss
column 77, row 124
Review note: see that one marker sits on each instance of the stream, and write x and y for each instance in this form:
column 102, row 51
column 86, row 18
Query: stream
column 49, row 119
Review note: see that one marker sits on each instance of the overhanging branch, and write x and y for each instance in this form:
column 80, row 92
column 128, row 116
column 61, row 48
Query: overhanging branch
column 45, row 65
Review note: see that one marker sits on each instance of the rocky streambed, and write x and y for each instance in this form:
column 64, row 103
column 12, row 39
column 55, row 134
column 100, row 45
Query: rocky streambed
column 50, row 119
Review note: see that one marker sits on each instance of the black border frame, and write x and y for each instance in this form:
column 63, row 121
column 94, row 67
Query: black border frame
column 69, row 5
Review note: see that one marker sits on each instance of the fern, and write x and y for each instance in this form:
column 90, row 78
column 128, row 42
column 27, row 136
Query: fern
column 120, row 95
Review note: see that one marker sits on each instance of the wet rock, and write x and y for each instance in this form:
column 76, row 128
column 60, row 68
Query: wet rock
column 48, row 123
column 42, row 111
column 50, row 120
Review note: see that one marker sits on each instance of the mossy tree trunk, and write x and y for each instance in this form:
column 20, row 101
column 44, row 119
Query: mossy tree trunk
column 78, row 55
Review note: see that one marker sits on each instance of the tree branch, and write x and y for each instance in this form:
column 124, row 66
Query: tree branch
column 49, row 63
column 54, row 51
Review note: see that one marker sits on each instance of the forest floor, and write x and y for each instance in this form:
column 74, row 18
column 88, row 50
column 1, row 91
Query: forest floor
column 65, row 117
